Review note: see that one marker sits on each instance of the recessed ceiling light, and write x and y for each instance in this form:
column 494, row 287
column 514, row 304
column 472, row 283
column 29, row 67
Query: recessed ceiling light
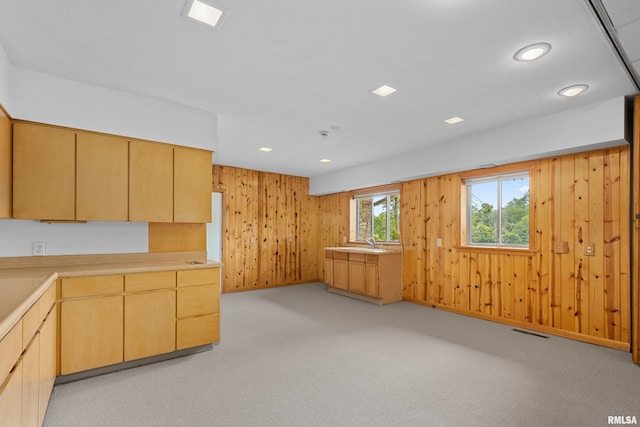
column 532, row 52
column 325, row 161
column 454, row 120
column 265, row 149
column 203, row 12
column 573, row 90
column 384, row 90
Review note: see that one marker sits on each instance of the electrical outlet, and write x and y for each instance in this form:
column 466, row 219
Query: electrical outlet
column 38, row 248
column 589, row 249
column 439, row 243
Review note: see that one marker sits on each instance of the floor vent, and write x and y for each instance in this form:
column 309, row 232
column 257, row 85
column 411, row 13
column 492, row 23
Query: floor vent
column 530, row 333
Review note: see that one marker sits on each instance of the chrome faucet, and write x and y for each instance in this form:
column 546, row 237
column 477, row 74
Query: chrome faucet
column 372, row 242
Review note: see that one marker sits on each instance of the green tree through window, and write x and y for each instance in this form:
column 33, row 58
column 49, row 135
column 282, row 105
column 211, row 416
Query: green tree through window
column 498, row 210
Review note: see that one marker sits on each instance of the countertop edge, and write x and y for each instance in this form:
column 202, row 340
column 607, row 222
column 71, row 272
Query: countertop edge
column 14, row 317
column 9, row 321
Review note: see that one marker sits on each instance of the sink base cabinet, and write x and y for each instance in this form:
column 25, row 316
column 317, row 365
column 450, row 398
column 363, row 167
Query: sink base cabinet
column 375, row 278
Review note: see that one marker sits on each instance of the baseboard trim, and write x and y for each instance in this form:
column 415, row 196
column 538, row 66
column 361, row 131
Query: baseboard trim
column 76, row 376
column 618, row 345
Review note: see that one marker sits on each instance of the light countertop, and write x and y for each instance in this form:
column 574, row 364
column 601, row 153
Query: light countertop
column 20, row 288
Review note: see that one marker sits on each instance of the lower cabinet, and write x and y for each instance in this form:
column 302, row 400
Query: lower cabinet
column 328, row 268
column 341, row 270
column 198, row 308
column 47, row 370
column 30, row 383
column 11, row 396
column 106, row 320
column 356, row 273
column 149, row 324
column 372, row 277
column 91, row 332
column 29, row 351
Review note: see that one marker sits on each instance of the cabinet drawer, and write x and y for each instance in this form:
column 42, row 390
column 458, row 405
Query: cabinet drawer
column 328, row 254
column 208, row 276
column 194, row 331
column 10, row 350
column 91, row 286
column 341, row 255
column 357, row 257
column 372, row 259
column 198, row 300
column 149, row 281
column 30, row 324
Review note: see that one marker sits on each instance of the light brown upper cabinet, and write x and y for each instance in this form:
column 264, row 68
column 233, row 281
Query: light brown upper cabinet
column 102, row 169
column 5, row 165
column 44, row 172
column 150, row 182
column 191, row 185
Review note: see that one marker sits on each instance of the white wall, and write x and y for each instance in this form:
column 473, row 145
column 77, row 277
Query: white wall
column 49, row 99
column 5, row 66
column 214, row 229
column 17, row 237
column 590, row 127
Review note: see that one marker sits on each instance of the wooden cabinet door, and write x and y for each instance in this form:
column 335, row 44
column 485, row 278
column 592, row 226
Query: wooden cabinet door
column 356, row 277
column 30, row 385
column 372, row 281
column 149, row 324
column 341, row 274
column 47, row 370
column 102, row 178
column 328, row 271
column 192, row 175
column 6, row 173
column 44, row 172
column 11, row 397
column 91, row 333
column 150, row 182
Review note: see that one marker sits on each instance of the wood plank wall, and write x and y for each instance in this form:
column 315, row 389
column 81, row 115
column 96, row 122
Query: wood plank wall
column 274, row 232
column 635, row 340
column 270, row 229
column 581, row 199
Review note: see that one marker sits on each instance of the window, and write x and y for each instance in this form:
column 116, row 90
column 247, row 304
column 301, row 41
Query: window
column 378, row 216
column 498, row 210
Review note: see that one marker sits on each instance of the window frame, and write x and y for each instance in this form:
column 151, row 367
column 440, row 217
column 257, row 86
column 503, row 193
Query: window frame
column 388, row 191
column 488, row 175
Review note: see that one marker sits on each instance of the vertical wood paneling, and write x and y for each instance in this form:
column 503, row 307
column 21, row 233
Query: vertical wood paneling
column 271, row 229
column 542, row 201
column 581, row 239
column 579, row 199
column 625, row 245
column 596, row 234
column 412, row 232
column 635, row 294
column 565, row 233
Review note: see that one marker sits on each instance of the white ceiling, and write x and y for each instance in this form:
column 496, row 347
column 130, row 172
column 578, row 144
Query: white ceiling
column 278, row 71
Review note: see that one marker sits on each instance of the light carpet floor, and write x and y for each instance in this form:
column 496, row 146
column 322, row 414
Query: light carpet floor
column 300, row 356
